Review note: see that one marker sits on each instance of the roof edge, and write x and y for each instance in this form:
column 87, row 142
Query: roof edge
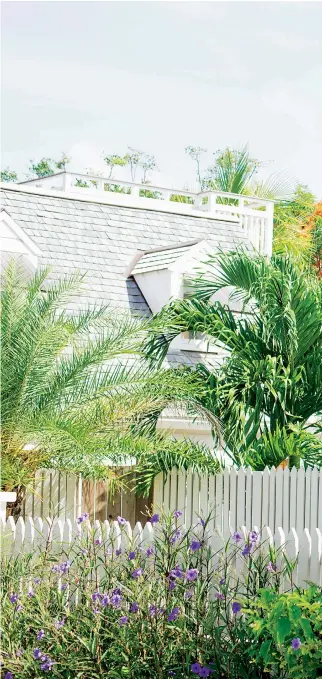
column 117, row 200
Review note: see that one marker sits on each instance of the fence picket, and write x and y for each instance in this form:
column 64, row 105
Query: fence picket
column 28, row 536
column 241, row 499
column 288, row 498
column 300, row 500
column 313, row 499
column 304, row 557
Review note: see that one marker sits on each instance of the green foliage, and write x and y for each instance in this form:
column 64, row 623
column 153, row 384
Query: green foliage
column 290, row 217
column 82, row 184
column 68, row 400
column 282, row 618
column 64, row 160
column 82, row 601
column 115, row 161
column 232, row 171
column 269, row 384
column 195, row 153
column 45, row 167
column 8, row 175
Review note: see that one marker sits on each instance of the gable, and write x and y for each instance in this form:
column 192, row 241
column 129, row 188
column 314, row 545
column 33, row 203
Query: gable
column 14, row 240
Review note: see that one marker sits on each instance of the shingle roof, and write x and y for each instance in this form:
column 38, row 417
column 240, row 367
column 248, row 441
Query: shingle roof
column 100, row 240
column 160, row 258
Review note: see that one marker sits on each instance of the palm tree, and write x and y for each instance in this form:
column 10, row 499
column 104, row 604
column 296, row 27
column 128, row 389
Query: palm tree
column 268, row 388
column 75, row 391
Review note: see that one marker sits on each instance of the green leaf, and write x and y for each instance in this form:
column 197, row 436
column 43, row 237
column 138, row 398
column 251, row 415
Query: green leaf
column 307, row 628
column 283, row 628
column 265, row 649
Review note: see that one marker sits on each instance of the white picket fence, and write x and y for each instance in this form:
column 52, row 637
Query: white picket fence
column 29, row 536
column 288, row 498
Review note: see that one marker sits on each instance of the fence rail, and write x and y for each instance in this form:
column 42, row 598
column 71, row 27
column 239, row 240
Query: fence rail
column 31, row 536
column 288, row 498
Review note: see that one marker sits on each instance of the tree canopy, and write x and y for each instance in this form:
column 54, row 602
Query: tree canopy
column 267, row 390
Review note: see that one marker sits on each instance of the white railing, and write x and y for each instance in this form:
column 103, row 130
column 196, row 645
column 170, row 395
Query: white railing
column 32, row 536
column 254, row 215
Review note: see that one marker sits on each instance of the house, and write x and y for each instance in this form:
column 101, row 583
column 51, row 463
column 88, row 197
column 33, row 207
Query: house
column 136, row 250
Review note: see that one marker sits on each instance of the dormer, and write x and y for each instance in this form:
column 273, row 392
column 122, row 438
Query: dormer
column 160, row 273
column 14, row 242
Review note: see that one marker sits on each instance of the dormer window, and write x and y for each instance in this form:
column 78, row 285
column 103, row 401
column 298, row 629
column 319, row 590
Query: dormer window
column 161, row 275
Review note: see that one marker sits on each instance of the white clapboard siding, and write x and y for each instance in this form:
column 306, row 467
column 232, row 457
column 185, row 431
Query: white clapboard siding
column 33, row 535
column 292, row 499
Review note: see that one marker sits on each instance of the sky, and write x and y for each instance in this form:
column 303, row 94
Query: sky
column 90, row 78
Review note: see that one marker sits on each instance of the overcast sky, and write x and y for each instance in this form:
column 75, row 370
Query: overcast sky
column 84, row 77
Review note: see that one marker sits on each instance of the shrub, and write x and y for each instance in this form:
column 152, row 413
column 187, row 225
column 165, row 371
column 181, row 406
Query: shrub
column 291, row 625
column 173, row 608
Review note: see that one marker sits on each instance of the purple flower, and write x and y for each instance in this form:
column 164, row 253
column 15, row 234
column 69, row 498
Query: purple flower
column 63, row 587
column 31, row 594
column 174, row 614
column 40, row 634
column 19, row 652
column 236, row 537
column 235, row 607
column 132, row 555
column 219, row 595
column 123, row 620
column 82, row 517
column 137, row 573
column 187, row 594
column 153, row 611
column 98, row 541
column 202, row 522
column 204, row 672
column 105, row 600
column 116, row 591
column 247, row 550
column 47, row 665
column 176, row 572
column 121, row 521
column 118, row 552
column 37, row 653
column 195, row 668
column 253, row 536
column 155, row 518
column 171, row 673
column 195, row 545
column 191, row 574
column 65, row 566
column 296, row 643
column 116, row 600
column 8, row 675
column 37, row 581
column 14, row 598
column 271, row 567
column 222, row 581
column 60, row 623
column 176, row 536
column 134, row 607
column 172, row 585
column 96, row 611
column 177, row 514
column 19, row 608
column 96, row 596
column 149, row 551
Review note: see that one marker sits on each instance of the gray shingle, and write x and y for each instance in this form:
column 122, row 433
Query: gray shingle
column 101, row 240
